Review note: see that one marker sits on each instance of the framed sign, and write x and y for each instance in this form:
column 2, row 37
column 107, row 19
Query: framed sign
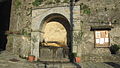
column 102, row 38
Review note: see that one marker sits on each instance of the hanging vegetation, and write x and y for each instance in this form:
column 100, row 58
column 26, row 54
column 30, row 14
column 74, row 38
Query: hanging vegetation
column 17, row 3
column 37, row 2
column 85, row 8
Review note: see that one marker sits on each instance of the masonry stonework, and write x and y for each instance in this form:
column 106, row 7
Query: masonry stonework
column 28, row 22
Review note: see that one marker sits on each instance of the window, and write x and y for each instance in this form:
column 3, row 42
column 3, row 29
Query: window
column 102, row 38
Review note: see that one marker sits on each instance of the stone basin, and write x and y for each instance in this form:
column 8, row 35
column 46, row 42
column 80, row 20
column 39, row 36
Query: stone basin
column 54, row 54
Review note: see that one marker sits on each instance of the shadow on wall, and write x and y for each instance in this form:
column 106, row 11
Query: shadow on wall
column 77, row 65
column 115, row 65
column 71, row 22
column 5, row 7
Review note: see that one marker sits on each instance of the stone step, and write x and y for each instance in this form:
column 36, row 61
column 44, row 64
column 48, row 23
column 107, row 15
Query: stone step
column 55, row 60
column 57, row 65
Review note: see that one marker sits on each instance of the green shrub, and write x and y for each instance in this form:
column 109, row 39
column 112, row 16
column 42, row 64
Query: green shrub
column 114, row 48
column 87, row 11
column 74, row 54
column 72, row 57
column 85, row 8
column 37, row 2
column 17, row 3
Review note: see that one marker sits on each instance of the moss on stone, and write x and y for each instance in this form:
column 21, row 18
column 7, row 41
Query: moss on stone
column 17, row 3
column 37, row 2
column 85, row 8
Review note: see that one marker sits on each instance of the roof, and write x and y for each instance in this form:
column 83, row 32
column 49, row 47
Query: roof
column 101, row 28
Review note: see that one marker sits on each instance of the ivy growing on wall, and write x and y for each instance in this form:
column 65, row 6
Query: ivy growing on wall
column 85, row 8
column 17, row 3
column 37, row 2
column 78, row 37
column 47, row 2
column 25, row 32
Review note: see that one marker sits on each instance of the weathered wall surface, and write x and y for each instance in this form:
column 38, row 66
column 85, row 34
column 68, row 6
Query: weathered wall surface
column 54, row 31
column 100, row 14
column 20, row 27
column 95, row 13
column 81, row 16
column 39, row 14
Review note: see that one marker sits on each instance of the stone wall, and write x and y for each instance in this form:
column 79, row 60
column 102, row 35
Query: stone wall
column 20, row 27
column 27, row 21
column 100, row 13
column 54, row 31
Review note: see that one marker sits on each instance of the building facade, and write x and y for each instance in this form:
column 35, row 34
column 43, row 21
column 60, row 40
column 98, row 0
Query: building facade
column 58, row 29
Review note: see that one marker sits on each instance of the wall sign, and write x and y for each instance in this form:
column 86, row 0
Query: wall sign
column 101, row 38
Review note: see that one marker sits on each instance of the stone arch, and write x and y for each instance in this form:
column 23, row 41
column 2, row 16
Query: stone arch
column 58, row 52
column 58, row 18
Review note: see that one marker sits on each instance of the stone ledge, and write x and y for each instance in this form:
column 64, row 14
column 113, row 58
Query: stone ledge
column 101, row 58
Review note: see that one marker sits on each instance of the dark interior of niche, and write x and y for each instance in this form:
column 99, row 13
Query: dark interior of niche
column 5, row 8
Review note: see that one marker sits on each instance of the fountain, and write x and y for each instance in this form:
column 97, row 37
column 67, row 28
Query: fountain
column 53, row 52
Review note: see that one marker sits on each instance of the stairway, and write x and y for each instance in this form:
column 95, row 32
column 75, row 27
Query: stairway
column 58, row 65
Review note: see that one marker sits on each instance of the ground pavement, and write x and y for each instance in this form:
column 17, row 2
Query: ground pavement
column 8, row 60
